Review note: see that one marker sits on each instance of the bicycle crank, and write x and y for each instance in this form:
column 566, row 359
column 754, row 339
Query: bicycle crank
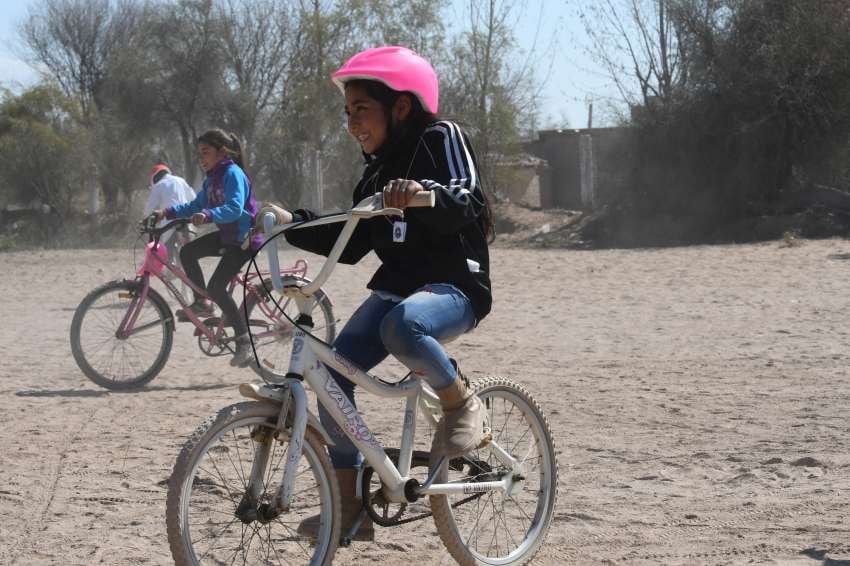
column 218, row 348
column 387, row 514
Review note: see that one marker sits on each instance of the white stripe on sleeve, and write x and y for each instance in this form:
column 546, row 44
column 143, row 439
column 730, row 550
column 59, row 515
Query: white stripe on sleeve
column 457, row 155
column 472, row 175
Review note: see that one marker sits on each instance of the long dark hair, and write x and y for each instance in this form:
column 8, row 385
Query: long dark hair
column 416, row 122
column 219, row 139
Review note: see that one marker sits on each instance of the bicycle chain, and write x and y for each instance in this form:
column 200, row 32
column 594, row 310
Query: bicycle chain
column 393, row 453
column 397, row 522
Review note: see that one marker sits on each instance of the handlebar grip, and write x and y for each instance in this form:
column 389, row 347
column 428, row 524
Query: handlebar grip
column 281, row 216
column 424, row 199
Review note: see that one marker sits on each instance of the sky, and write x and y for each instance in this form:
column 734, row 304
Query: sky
column 550, row 29
column 11, row 67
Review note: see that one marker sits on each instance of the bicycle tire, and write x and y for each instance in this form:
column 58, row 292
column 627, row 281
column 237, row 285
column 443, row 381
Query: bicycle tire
column 198, row 477
column 112, row 376
column 460, row 540
column 272, row 361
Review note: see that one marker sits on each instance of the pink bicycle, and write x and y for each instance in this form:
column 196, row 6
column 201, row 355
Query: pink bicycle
column 123, row 331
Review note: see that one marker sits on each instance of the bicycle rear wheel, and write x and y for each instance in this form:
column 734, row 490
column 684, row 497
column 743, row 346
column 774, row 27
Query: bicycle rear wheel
column 121, row 363
column 272, row 332
column 215, row 515
column 495, row 528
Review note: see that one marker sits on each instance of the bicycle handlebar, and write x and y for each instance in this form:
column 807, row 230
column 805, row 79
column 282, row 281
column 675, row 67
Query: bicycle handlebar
column 367, row 208
column 148, row 225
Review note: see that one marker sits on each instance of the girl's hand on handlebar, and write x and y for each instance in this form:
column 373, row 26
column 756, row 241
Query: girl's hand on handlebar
column 399, row 192
column 199, row 218
column 157, row 215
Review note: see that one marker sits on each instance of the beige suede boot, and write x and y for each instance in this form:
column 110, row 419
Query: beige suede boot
column 351, row 506
column 462, row 426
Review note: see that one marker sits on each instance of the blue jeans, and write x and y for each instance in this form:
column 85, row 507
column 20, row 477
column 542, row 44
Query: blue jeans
column 410, row 330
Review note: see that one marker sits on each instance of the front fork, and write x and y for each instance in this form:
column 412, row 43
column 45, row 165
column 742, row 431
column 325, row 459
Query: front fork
column 296, row 442
column 125, row 329
column 249, row 508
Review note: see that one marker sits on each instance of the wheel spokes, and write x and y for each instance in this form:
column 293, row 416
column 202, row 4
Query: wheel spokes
column 499, row 526
column 114, row 358
column 222, row 477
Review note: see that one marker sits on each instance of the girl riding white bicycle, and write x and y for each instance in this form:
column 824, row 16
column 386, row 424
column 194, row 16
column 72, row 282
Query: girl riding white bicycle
column 255, row 483
column 433, row 284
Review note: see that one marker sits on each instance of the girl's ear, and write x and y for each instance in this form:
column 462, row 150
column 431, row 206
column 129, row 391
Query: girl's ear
column 402, row 108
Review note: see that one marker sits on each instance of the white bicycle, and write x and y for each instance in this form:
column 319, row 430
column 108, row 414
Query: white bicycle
column 250, row 474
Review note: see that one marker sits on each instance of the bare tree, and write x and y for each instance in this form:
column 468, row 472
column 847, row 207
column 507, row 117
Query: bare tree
column 641, row 45
column 75, row 39
column 489, row 82
column 735, row 102
column 305, row 142
column 259, row 39
column 78, row 41
column 185, row 40
column 416, row 24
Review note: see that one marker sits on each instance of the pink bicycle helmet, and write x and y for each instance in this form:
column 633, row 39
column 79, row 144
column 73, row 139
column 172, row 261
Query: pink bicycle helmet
column 397, row 67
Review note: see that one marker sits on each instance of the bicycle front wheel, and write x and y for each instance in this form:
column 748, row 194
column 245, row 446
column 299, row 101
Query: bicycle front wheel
column 121, row 362
column 271, row 330
column 497, row 528
column 223, row 488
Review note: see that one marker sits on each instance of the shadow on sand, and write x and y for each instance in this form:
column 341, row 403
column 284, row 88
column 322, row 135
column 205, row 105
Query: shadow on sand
column 104, row 392
column 820, row 554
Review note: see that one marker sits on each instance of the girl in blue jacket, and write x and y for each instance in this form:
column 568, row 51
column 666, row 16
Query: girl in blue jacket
column 227, row 200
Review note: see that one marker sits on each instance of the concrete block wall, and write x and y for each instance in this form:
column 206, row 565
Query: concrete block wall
column 587, row 169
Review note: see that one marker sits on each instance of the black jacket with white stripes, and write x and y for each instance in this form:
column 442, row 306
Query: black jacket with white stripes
column 444, row 244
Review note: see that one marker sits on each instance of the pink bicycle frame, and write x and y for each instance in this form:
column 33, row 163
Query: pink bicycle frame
column 156, row 257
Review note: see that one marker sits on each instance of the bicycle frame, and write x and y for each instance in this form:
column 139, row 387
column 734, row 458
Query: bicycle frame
column 308, row 360
column 310, row 356
column 153, row 265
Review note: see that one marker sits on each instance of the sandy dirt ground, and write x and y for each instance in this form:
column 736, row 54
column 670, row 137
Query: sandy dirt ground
column 698, row 396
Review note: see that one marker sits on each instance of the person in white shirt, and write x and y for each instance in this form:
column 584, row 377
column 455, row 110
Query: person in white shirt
column 168, row 190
